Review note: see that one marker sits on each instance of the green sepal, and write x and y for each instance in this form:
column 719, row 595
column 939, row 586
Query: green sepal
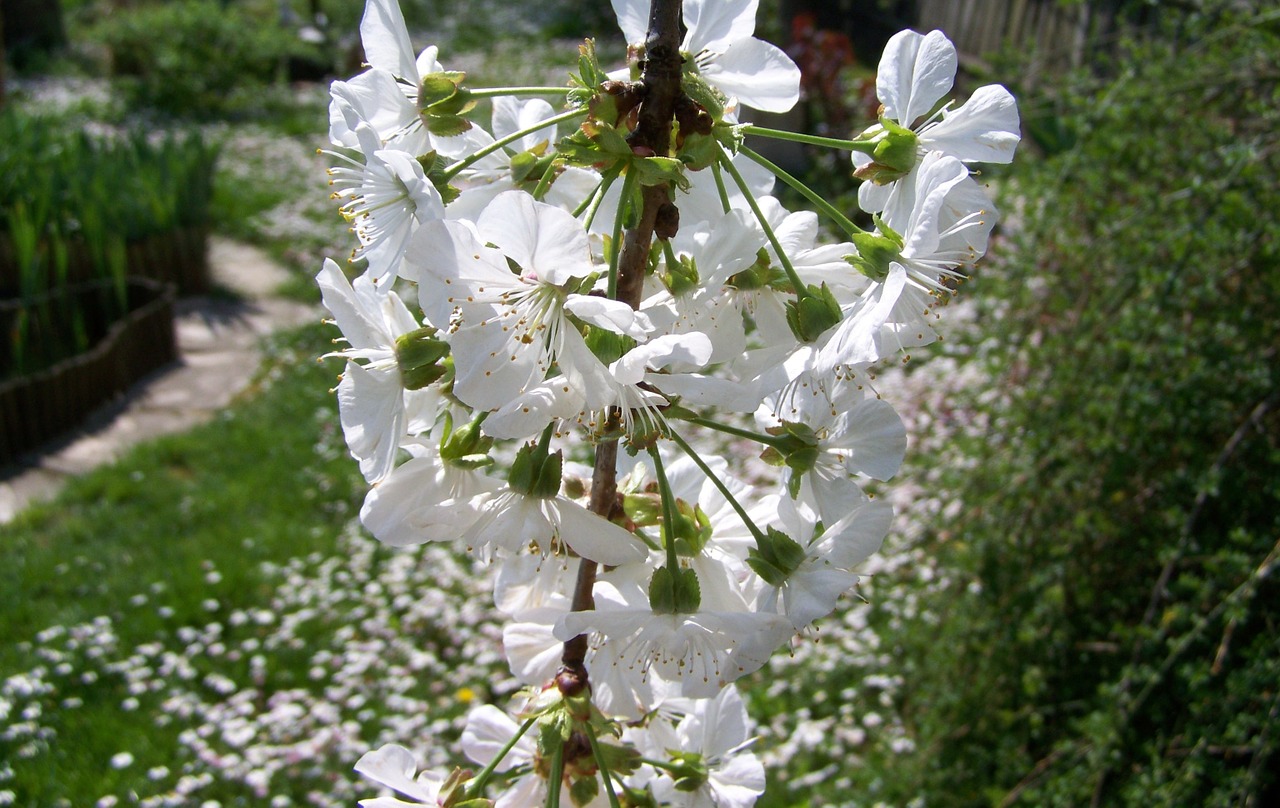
column 876, row 251
column 688, row 769
column 637, row 797
column 434, row 169
column 703, row 94
column 530, row 164
column 775, row 557
column 659, row 170
column 681, row 278
column 691, row 529
column 619, row 759
column 584, row 790
column 698, row 151
column 760, row 275
column 419, row 354
column 674, row 591
column 442, row 103
column 644, row 509
column 813, row 314
column 467, row 447
column 535, row 472
column 893, row 152
column 731, row 136
column 453, row 791
column 608, row 346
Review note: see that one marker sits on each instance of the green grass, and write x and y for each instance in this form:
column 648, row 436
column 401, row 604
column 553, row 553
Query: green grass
column 268, row 480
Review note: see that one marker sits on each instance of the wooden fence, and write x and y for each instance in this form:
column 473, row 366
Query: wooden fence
column 1057, row 35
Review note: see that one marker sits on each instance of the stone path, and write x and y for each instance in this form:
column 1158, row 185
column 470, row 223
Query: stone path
column 219, row 343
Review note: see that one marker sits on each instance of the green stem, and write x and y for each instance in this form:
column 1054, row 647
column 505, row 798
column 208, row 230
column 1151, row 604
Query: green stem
column 544, row 182
column 595, row 200
column 605, row 774
column 805, row 191
column 556, row 778
column 494, row 92
column 767, row 440
column 658, row 764
column 627, row 184
column 720, row 486
column 476, row 787
column 813, row 140
column 461, row 165
column 668, row 510
column 720, row 189
column 801, row 290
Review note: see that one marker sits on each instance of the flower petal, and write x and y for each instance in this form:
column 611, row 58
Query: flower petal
column 916, row 71
column 759, row 74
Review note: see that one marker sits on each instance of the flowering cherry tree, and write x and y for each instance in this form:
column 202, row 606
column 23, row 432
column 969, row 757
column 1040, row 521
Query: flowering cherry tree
column 555, row 318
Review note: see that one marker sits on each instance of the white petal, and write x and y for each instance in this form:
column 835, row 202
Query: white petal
column 540, row 238
column 394, row 767
column 983, row 130
column 633, row 19
column 386, row 39
column 916, row 71
column 759, row 74
column 613, row 315
column 371, row 407
column 717, row 24
column 876, row 439
column 592, row 536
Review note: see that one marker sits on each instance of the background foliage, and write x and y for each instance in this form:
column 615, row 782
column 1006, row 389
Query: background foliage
column 1109, row 635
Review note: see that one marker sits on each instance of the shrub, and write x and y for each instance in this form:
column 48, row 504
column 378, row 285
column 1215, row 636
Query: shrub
column 199, row 58
column 1110, row 635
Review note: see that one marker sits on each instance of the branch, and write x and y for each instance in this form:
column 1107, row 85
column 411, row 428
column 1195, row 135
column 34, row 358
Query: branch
column 661, row 79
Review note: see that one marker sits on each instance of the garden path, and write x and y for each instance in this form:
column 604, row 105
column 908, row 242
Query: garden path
column 219, row 346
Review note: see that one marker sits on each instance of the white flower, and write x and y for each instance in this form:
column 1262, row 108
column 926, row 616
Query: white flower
column 385, row 198
column 719, row 39
column 915, row 72
column 700, row 652
column 508, row 329
column 714, row 734
column 376, row 410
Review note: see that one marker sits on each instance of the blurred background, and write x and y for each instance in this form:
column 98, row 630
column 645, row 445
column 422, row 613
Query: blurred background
column 1076, row 606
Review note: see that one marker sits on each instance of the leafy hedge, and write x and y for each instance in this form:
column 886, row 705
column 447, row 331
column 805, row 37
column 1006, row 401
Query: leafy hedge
column 1111, row 636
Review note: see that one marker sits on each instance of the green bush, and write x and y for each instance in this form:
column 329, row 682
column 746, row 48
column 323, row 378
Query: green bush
column 198, row 58
column 1110, row 633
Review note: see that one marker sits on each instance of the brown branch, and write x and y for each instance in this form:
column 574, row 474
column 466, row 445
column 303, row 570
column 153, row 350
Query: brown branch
column 661, row 79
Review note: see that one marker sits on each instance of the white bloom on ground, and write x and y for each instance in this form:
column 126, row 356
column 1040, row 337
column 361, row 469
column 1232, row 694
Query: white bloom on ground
column 915, row 72
column 394, row 767
column 719, row 42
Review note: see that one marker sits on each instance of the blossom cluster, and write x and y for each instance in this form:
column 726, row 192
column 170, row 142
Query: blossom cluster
column 473, row 407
